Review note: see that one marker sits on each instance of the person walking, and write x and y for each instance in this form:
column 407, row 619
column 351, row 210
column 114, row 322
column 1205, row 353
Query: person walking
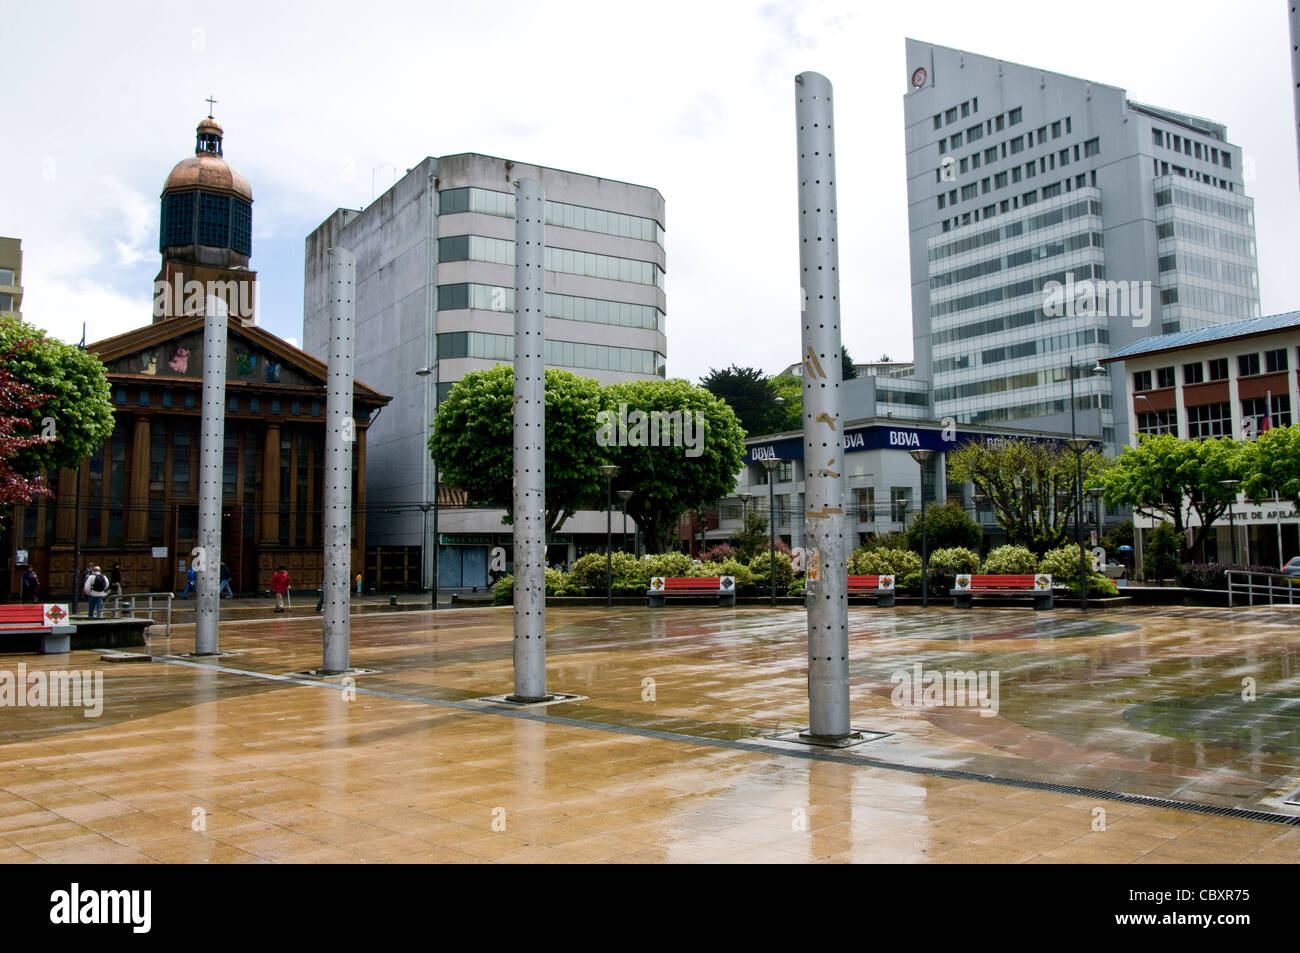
column 96, row 590
column 225, row 581
column 191, row 583
column 115, row 578
column 30, row 583
column 280, row 586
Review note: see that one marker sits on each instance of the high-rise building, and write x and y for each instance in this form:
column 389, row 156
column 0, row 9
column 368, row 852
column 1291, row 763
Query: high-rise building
column 1052, row 220
column 435, row 292
column 11, row 277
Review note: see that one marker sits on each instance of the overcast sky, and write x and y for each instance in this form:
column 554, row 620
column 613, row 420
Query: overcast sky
column 324, row 103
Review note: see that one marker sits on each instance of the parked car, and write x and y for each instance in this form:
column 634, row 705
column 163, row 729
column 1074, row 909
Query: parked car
column 1292, row 568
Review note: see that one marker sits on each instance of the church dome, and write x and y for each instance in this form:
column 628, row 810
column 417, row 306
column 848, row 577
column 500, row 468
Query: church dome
column 207, row 206
column 207, row 169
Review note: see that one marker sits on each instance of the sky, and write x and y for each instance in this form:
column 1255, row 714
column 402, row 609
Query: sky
column 325, row 104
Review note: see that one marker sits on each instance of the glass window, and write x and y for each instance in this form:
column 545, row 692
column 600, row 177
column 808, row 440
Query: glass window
column 1247, row 364
column 1141, row 381
column 1275, row 361
column 6, row 276
column 1013, row 117
column 1193, row 373
column 1159, row 421
column 1208, row 421
column 1164, row 377
column 1218, row 369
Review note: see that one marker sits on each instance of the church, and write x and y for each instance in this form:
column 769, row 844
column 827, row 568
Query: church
column 137, row 502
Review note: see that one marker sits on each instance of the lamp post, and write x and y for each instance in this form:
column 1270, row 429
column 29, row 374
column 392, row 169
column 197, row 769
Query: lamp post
column 922, row 457
column 624, row 495
column 770, row 466
column 430, row 375
column 1080, row 446
column 609, row 470
column 1231, row 487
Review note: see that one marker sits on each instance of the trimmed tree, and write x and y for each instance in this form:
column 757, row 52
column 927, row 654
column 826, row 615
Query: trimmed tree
column 947, row 526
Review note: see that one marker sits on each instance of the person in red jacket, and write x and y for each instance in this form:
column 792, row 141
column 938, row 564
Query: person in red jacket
column 280, row 586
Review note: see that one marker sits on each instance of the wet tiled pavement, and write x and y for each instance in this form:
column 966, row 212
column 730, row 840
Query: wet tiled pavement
column 665, row 758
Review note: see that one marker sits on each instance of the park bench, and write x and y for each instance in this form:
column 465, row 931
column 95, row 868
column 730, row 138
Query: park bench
column 724, row 587
column 1033, row 586
column 47, row 621
column 882, row 587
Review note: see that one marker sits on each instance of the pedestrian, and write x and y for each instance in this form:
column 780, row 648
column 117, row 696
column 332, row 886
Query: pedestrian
column 280, row 586
column 115, row 578
column 191, row 583
column 320, row 601
column 225, row 581
column 96, row 590
column 29, row 585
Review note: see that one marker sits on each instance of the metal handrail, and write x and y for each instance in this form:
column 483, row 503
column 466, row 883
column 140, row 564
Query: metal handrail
column 149, row 608
column 1248, row 586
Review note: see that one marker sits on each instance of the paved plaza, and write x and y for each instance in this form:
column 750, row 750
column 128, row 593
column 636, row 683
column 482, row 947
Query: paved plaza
column 1094, row 738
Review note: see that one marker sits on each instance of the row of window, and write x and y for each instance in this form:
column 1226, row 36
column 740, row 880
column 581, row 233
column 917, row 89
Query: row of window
column 1160, row 168
column 1059, row 342
column 1013, row 229
column 222, row 221
column 1024, row 256
column 562, row 214
column 501, row 347
column 1014, row 289
column 235, row 403
column 1001, row 180
column 951, row 115
column 1209, row 421
column 996, row 385
column 1015, row 202
column 1248, row 365
column 501, row 251
column 1213, row 269
column 569, row 307
column 1190, row 147
column 1231, row 211
column 1215, row 238
column 977, row 131
column 1205, row 299
column 1042, row 408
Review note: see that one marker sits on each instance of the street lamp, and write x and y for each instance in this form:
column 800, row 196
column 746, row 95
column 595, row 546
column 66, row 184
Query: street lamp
column 770, row 466
column 624, row 495
column 609, row 470
column 922, row 457
column 1080, row 446
column 1231, row 487
column 430, row 375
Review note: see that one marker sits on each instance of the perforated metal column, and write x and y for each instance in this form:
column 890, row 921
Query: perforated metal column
column 530, row 444
column 207, row 555
column 823, row 430
column 340, row 434
column 1294, row 10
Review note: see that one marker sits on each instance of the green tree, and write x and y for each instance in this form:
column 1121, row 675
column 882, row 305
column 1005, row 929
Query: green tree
column 847, row 370
column 1165, row 478
column 1271, row 464
column 74, row 412
column 946, row 526
column 679, row 474
column 750, row 395
column 1030, row 485
column 473, row 441
column 749, row 541
column 1160, row 552
column 790, row 389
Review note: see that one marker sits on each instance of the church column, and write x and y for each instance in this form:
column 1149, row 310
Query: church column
column 137, row 522
column 271, row 486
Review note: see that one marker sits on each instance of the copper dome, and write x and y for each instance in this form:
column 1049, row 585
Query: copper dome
column 207, row 170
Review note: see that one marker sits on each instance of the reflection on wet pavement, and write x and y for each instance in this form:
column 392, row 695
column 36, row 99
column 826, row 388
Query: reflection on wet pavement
column 664, row 760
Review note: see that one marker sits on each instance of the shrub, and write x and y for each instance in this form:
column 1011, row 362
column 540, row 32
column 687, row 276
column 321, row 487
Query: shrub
column 877, row 562
column 503, row 593
column 797, row 587
column 1160, row 556
column 953, row 560
column 716, row 554
column 1213, row 575
column 1010, row 561
column 589, row 572
column 760, row 569
column 910, row 583
column 668, row 564
column 1063, row 564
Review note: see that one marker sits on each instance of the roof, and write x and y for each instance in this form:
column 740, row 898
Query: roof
column 1251, row 327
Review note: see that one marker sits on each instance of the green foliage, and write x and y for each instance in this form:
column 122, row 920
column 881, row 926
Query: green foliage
column 1160, row 550
column 954, row 560
column 790, row 389
column 1169, row 479
column 751, row 396
column 1063, row 564
column 760, row 567
column 910, row 583
column 884, row 562
column 751, row 540
column 1271, row 464
column 946, row 525
column 847, row 370
column 588, row 571
column 668, row 564
column 1120, row 535
column 1010, row 561
column 73, row 390
column 797, row 587
column 503, row 593
column 558, row 583
column 473, row 441
column 894, row 539
column 665, row 481
column 1030, row 485
column 728, row 567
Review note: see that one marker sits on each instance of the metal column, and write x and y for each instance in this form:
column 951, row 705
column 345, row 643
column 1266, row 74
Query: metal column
column 823, row 431
column 1295, row 65
column 340, row 431
column 530, row 444
column 207, row 555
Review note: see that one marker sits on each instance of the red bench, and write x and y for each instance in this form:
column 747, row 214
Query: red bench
column 724, row 587
column 49, row 621
column 882, row 587
column 1034, row 586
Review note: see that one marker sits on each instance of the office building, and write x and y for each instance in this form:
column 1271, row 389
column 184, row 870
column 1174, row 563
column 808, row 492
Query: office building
column 435, row 290
column 11, row 278
column 1052, row 220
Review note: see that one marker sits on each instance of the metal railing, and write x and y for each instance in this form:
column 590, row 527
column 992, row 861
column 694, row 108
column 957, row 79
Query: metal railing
column 131, row 597
column 1269, row 587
